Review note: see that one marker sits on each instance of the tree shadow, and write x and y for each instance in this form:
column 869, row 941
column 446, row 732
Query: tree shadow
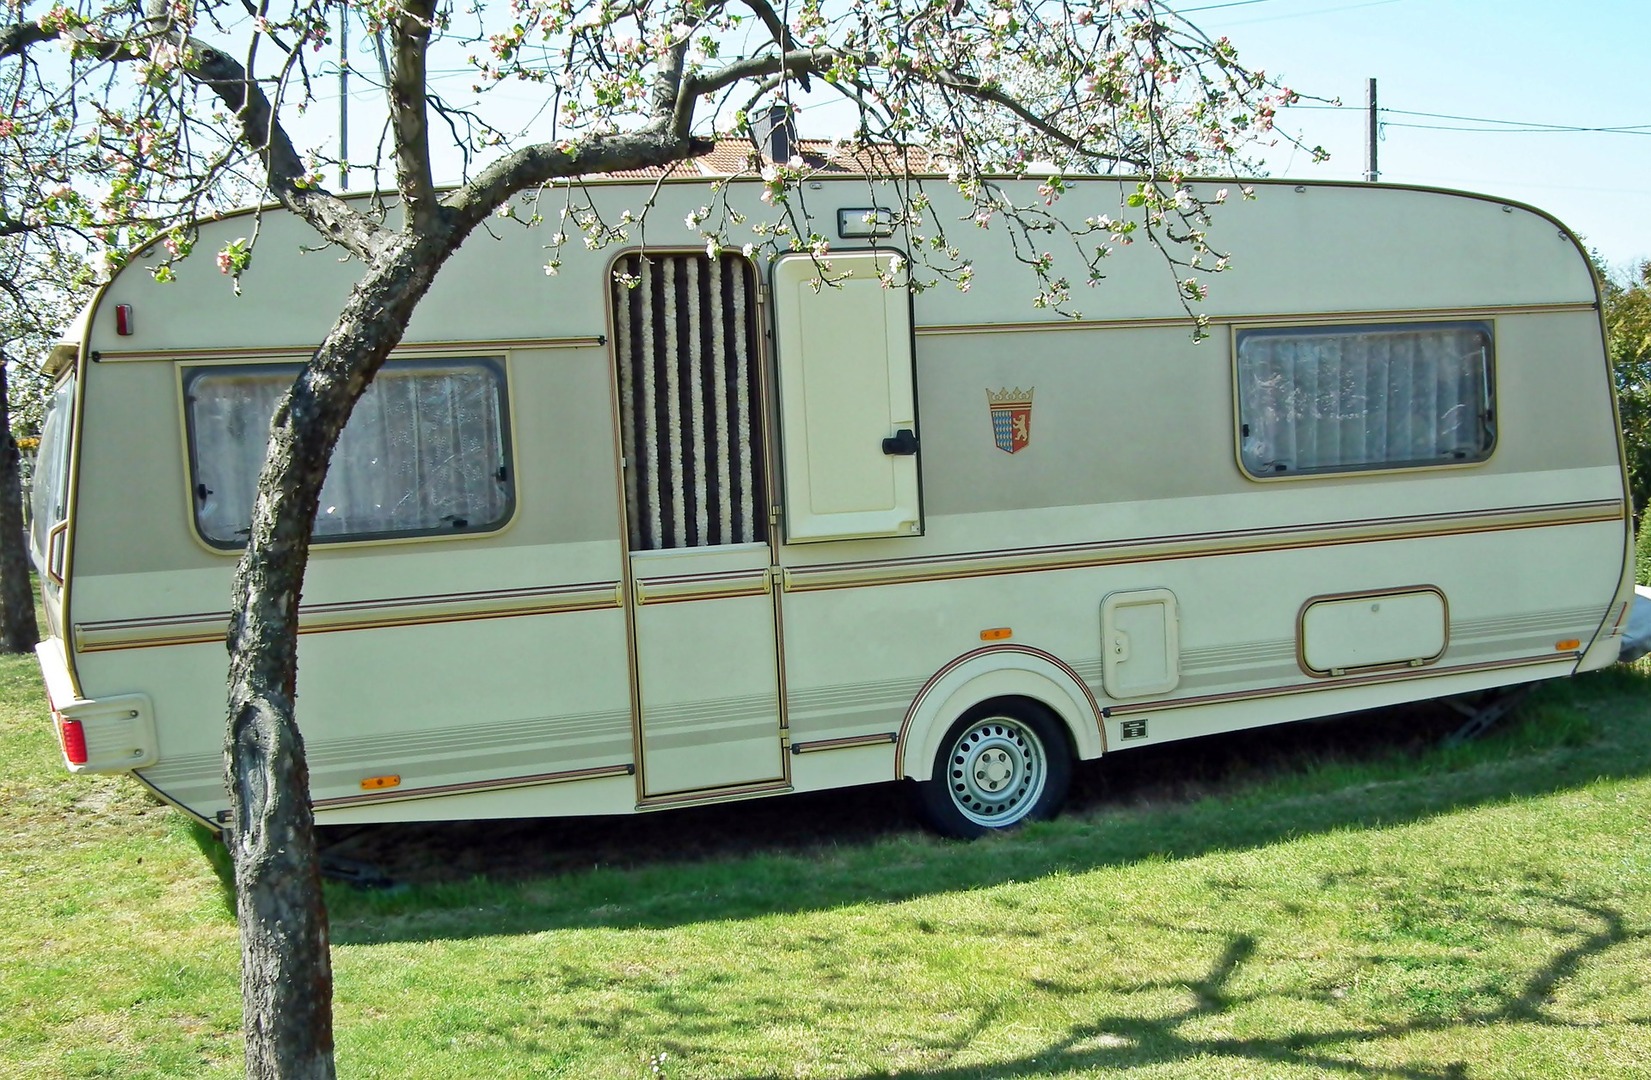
column 219, row 859
column 1120, row 1041
column 821, row 850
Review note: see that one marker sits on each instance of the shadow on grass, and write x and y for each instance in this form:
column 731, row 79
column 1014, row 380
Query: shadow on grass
column 1123, row 1041
column 828, row 849
column 217, row 857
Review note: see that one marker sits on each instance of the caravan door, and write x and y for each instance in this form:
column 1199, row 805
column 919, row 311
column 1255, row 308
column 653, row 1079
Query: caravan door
column 703, row 608
column 848, row 404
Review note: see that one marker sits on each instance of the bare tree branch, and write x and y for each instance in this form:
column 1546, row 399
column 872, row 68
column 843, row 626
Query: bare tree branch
column 410, row 39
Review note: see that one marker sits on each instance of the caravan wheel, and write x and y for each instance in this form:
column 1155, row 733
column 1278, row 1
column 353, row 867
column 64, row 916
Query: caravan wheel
column 998, row 766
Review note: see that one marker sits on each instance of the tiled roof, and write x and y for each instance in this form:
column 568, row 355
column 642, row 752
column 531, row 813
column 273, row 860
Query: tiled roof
column 733, row 157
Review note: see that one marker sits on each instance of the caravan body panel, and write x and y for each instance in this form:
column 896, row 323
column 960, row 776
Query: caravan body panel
column 752, row 537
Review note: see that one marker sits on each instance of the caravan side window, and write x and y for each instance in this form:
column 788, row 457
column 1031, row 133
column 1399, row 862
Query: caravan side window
column 49, row 489
column 426, row 451
column 1324, row 399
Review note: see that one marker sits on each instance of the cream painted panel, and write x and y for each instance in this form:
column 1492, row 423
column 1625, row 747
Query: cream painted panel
column 444, row 703
column 392, row 572
column 710, row 693
column 845, row 385
column 1296, row 247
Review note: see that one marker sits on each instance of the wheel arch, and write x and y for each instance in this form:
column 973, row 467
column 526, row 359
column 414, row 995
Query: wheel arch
column 991, row 674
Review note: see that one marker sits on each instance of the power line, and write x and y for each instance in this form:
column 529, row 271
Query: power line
column 1521, row 125
column 1540, row 130
column 1218, row 7
column 1491, row 125
column 1302, row 14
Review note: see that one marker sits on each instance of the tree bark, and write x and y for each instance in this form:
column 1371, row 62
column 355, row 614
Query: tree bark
column 286, row 973
column 18, row 631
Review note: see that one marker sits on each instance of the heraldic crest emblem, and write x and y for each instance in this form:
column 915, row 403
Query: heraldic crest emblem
column 1011, row 418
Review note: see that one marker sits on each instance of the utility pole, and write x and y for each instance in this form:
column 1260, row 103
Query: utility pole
column 1370, row 171
column 344, row 95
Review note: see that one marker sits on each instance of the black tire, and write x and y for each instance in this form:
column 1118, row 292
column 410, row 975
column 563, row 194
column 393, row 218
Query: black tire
column 1002, row 763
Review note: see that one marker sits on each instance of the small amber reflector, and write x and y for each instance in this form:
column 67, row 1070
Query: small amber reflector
column 997, row 633
column 1567, row 645
column 379, row 783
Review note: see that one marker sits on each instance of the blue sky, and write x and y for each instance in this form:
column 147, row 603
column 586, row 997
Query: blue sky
column 1530, row 63
column 1584, row 63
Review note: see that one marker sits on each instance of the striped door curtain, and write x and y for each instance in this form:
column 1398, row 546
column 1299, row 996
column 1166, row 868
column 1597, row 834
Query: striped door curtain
column 685, row 335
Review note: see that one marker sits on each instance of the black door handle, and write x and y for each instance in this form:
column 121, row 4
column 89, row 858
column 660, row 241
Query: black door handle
column 904, row 443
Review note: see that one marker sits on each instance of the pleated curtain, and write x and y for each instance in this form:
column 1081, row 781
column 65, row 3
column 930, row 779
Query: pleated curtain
column 1363, row 398
column 685, row 337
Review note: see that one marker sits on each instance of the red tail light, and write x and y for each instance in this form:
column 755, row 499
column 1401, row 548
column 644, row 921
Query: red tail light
column 74, row 742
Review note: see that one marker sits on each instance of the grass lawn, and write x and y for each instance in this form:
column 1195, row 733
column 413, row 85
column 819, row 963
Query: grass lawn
column 1394, row 911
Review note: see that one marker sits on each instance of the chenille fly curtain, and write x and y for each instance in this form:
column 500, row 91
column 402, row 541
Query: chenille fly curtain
column 684, row 335
column 1323, row 399
column 423, row 452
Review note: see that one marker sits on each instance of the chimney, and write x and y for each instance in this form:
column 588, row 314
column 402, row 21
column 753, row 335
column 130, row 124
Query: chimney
column 773, row 134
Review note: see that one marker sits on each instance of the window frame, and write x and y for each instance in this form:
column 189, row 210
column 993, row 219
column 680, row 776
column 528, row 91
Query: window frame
column 1490, row 430
column 496, row 364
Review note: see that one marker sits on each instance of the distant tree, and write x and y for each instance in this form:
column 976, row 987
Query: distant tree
column 154, row 107
column 43, row 281
column 1628, row 341
column 18, row 631
column 39, row 297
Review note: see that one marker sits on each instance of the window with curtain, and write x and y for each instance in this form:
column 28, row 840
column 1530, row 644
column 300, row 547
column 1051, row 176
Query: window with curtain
column 1343, row 398
column 425, row 452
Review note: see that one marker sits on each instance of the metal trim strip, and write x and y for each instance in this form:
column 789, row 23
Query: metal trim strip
column 816, row 746
column 713, row 586
column 198, row 628
column 1322, row 685
column 1304, row 318
column 1155, row 548
column 299, row 353
column 440, row 790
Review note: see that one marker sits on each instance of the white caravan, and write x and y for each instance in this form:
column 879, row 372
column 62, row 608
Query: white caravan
column 589, row 548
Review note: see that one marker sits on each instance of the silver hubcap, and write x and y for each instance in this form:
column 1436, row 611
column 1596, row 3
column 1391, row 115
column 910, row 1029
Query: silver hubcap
column 996, row 772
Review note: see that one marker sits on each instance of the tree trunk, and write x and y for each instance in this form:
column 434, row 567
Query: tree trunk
column 18, row 630
column 286, row 972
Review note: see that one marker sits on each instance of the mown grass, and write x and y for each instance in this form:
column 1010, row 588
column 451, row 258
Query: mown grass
column 1481, row 911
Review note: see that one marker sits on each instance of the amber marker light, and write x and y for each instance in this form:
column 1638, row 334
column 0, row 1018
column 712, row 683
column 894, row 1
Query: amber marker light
column 1568, row 645
column 997, row 633
column 380, row 783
